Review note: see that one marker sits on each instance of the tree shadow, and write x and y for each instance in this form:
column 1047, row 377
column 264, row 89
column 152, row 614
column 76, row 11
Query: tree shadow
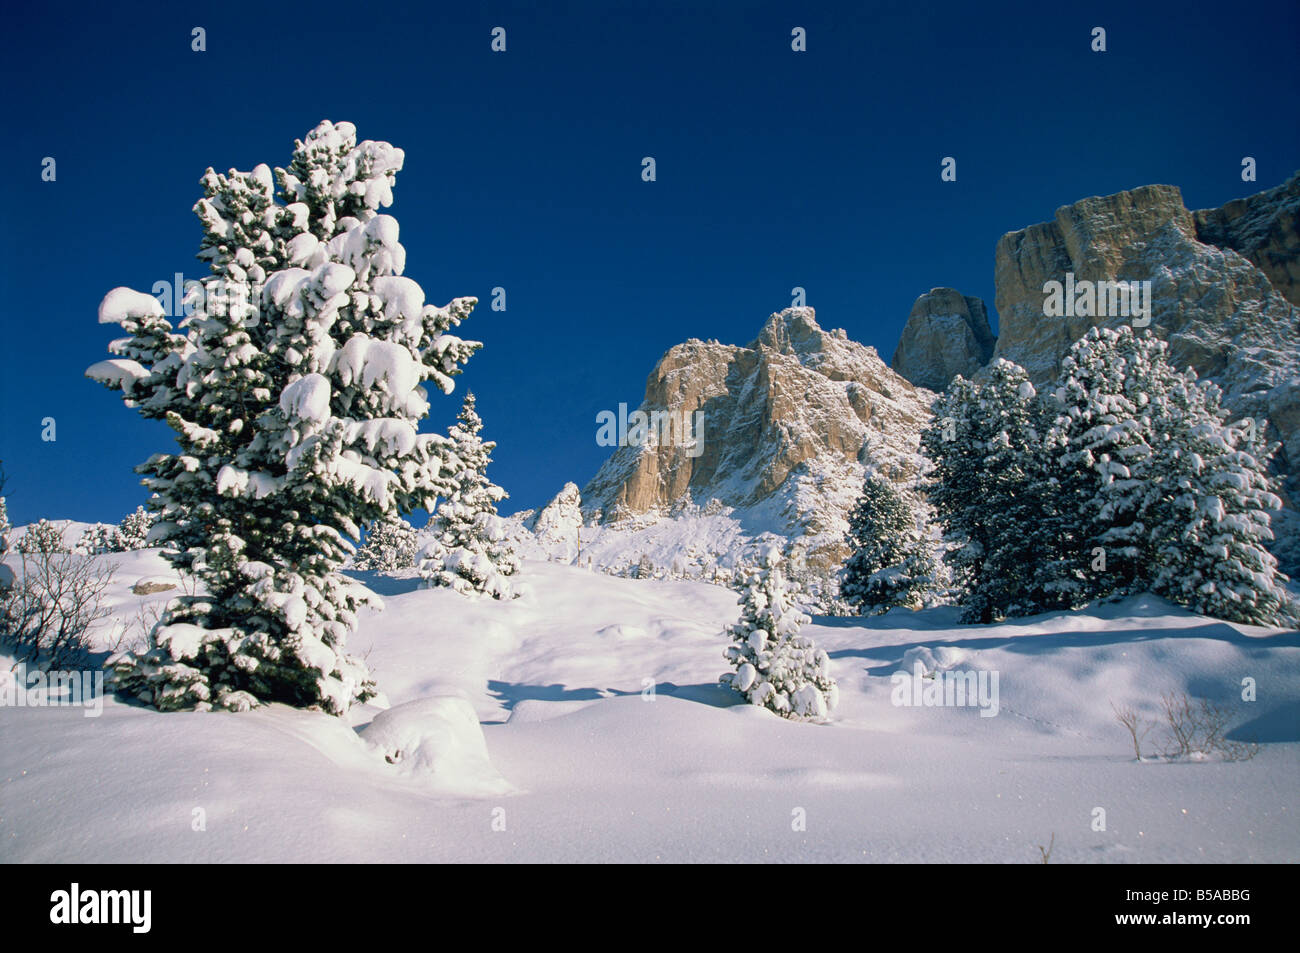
column 384, row 585
column 889, row 657
column 1281, row 724
column 512, row 693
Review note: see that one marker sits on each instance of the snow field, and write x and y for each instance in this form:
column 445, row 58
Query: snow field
column 583, row 766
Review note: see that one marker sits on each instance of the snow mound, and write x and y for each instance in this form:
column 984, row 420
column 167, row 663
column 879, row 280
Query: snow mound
column 439, row 741
column 941, row 658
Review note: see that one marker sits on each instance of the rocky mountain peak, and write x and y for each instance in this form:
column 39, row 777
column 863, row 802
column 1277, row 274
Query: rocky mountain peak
column 792, row 331
column 947, row 333
column 783, row 426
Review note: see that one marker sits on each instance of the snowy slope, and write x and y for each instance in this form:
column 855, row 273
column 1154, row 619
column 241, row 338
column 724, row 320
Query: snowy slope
column 600, row 772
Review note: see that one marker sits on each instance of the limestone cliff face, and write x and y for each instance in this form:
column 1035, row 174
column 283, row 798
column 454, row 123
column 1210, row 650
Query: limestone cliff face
column 946, row 334
column 1264, row 228
column 1219, row 311
column 786, row 426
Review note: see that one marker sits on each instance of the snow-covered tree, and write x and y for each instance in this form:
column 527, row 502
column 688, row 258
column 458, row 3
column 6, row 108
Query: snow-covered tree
column 5, row 527
column 1214, row 517
column 988, row 491
column 1098, row 452
column 470, row 551
column 391, row 544
column 1167, row 495
column 776, row 666
column 294, row 389
column 133, row 531
column 1022, row 530
column 889, row 563
column 97, row 538
column 643, row 568
column 41, row 538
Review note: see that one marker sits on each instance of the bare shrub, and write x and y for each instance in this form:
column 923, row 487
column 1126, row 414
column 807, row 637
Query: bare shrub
column 133, row 633
column 1137, row 729
column 1200, row 730
column 46, row 616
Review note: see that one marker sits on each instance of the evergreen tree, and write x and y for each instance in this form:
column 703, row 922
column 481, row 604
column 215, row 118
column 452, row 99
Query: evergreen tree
column 1172, row 497
column 1137, row 483
column 294, row 391
column 41, row 538
column 1022, row 501
column 133, row 532
column 776, row 666
column 989, row 491
column 391, row 545
column 1210, row 527
column 469, row 551
column 97, row 539
column 1099, row 453
column 890, row 562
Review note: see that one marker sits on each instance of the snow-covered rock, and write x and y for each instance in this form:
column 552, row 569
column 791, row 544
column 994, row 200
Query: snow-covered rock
column 439, row 741
column 938, row 658
column 557, row 525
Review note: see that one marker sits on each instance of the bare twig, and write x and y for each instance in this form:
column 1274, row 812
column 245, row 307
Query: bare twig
column 1130, row 719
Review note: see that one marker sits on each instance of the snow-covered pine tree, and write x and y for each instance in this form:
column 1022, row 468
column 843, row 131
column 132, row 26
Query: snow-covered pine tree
column 42, row 537
column 989, row 492
column 889, row 563
column 1022, row 529
column 1154, row 489
column 777, row 667
column 295, row 392
column 391, row 544
column 133, row 531
column 97, row 539
column 1212, row 519
column 1098, row 449
column 643, row 568
column 956, row 487
column 469, row 551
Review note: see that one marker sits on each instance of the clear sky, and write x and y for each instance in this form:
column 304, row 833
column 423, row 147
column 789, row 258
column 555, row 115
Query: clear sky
column 523, row 170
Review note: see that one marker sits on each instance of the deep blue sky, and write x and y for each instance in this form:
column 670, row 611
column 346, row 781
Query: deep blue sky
column 775, row 169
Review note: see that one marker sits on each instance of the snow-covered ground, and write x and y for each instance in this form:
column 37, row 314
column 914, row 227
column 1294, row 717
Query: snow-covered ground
column 608, row 739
